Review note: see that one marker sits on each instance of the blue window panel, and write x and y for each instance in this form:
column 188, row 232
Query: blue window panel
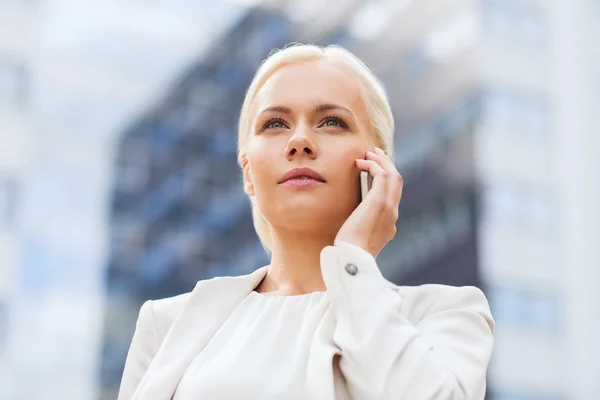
column 157, row 262
column 8, row 201
column 422, row 142
column 175, row 122
column 519, row 396
column 222, row 211
column 341, row 38
column 226, row 75
column 3, row 326
column 14, row 85
column 508, row 306
column 222, row 214
column 155, row 204
column 544, row 313
column 525, row 309
column 176, row 186
column 415, row 62
column 517, row 111
column 173, row 188
column 222, row 143
column 275, row 30
column 220, row 269
column 161, row 141
column 150, row 206
column 520, row 207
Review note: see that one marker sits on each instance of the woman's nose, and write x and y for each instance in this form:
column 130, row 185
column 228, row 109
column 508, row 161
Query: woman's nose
column 306, row 150
column 301, row 144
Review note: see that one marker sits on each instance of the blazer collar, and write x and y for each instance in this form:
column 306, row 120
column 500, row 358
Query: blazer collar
column 208, row 306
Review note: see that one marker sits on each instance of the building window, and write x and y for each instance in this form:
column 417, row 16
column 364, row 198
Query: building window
column 427, row 235
column 518, row 23
column 524, row 308
column 340, row 37
column 157, row 261
column 520, row 205
column 419, row 146
column 13, row 85
column 415, row 62
column 8, row 194
column 517, row 112
column 518, row 396
column 3, row 326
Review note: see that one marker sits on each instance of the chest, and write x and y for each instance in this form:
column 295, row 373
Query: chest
column 268, row 349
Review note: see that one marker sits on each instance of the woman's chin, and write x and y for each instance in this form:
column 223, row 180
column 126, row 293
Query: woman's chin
column 310, row 225
column 309, row 216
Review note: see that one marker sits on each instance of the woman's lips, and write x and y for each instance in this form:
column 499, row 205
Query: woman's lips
column 302, row 182
column 301, row 173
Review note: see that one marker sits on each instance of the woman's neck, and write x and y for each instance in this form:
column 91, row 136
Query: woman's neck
column 295, row 263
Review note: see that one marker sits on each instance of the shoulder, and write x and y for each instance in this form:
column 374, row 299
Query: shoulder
column 164, row 311
column 420, row 302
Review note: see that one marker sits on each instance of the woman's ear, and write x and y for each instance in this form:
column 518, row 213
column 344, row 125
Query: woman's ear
column 247, row 175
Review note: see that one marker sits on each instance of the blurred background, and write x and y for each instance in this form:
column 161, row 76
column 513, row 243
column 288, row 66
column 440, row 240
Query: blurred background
column 119, row 182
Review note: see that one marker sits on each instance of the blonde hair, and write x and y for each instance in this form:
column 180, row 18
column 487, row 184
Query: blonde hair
column 374, row 99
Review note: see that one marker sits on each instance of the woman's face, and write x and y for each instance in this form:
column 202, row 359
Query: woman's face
column 308, row 115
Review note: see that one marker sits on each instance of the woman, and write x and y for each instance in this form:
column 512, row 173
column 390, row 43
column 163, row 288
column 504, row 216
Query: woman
column 320, row 321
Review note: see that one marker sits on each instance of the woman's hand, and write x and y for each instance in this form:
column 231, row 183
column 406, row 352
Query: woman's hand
column 373, row 223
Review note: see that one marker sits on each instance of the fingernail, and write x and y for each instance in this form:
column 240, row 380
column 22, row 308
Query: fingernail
column 381, row 152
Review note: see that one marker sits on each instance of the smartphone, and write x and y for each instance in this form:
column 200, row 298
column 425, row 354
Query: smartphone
column 366, row 181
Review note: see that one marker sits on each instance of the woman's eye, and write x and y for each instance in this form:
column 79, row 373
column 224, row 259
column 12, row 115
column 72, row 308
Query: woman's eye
column 275, row 124
column 334, row 122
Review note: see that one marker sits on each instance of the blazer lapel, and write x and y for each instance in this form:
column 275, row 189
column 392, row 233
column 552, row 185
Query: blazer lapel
column 208, row 306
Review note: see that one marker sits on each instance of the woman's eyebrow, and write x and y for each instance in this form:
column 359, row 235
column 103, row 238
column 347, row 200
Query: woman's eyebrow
column 328, row 106
column 318, row 109
column 278, row 109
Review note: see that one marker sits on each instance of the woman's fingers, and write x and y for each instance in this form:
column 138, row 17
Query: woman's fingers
column 373, row 223
column 380, row 184
column 395, row 182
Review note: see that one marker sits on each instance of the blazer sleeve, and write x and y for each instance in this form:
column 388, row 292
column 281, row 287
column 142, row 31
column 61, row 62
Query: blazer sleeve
column 144, row 345
column 444, row 356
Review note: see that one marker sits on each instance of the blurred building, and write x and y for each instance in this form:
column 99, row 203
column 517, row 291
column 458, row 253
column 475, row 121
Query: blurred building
column 179, row 210
column 476, row 86
column 16, row 28
column 529, row 66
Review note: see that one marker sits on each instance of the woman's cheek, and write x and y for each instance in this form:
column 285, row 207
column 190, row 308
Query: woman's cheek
column 262, row 171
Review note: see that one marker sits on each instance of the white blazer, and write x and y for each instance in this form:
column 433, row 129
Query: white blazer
column 430, row 342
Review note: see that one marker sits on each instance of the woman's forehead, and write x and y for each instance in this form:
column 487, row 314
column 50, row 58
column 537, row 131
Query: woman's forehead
column 309, row 83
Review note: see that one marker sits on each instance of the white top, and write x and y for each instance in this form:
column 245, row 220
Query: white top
column 363, row 339
column 260, row 352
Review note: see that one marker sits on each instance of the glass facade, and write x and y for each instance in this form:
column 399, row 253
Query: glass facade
column 521, row 23
column 525, row 309
column 513, row 110
column 520, row 396
column 13, row 84
column 178, row 204
column 8, row 201
column 3, row 327
column 517, row 205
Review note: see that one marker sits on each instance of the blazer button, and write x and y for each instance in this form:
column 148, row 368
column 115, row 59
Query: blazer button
column 351, row 269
